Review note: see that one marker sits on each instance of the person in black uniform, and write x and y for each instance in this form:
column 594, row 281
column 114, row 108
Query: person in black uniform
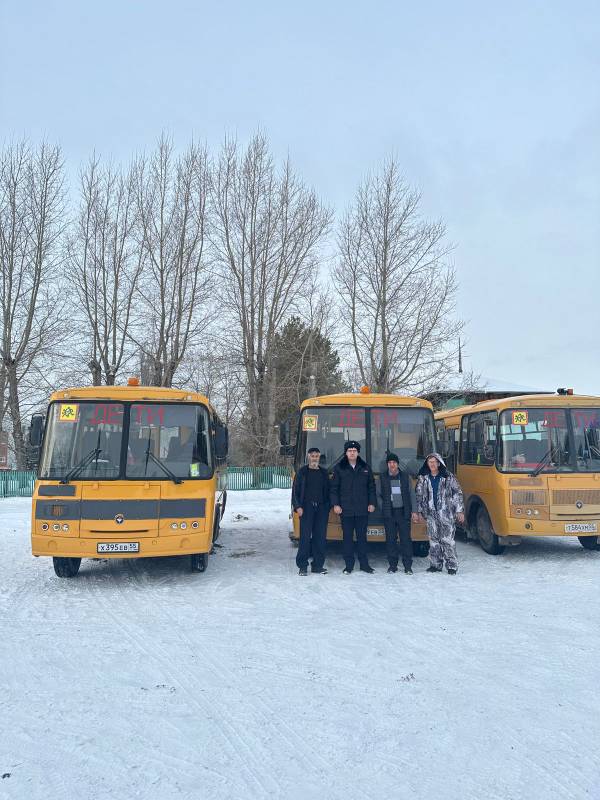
column 397, row 503
column 353, row 498
column 310, row 501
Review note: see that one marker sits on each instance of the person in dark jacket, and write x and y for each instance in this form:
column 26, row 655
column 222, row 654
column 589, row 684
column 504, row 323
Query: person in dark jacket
column 396, row 500
column 353, row 498
column 440, row 502
column 310, row 501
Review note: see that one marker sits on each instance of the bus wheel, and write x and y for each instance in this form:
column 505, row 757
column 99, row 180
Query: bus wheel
column 199, row 562
column 421, row 549
column 487, row 538
column 66, row 567
column 589, row 542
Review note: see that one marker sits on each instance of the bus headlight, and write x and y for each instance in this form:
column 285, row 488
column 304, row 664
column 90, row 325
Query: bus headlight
column 45, row 526
column 56, row 527
column 183, row 525
column 174, row 525
column 195, row 524
column 529, row 512
column 65, row 527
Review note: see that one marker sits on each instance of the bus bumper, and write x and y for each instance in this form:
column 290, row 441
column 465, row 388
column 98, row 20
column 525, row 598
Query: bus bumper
column 533, row 527
column 375, row 533
column 149, row 547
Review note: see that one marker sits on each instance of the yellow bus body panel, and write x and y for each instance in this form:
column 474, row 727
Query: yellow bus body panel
column 493, row 488
column 334, row 529
column 155, row 535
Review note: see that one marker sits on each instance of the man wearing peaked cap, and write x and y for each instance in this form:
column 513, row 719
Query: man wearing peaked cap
column 310, row 501
column 353, row 498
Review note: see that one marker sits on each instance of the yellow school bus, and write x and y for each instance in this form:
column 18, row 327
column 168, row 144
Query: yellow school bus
column 528, row 466
column 127, row 472
column 381, row 423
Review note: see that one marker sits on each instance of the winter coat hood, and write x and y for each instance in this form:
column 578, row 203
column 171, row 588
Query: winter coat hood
column 425, row 469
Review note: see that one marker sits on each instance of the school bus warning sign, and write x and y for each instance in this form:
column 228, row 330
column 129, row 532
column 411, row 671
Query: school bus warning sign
column 520, row 417
column 310, row 422
column 68, row 412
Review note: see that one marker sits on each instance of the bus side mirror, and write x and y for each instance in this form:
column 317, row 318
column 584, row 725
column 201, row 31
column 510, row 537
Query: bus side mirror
column 36, row 433
column 221, row 442
column 284, row 433
column 286, row 448
column 36, row 430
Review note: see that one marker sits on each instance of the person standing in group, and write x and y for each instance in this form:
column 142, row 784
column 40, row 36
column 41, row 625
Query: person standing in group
column 353, row 498
column 397, row 502
column 440, row 502
column 310, row 501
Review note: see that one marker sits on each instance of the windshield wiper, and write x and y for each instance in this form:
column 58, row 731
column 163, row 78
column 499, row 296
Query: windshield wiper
column 545, row 459
column 162, row 465
column 87, row 459
column 590, row 447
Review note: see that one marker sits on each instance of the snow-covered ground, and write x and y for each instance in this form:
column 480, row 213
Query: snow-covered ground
column 139, row 679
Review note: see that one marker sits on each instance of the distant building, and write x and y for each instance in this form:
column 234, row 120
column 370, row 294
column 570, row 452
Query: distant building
column 457, row 391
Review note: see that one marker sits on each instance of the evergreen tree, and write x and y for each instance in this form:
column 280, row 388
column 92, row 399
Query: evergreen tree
column 302, row 352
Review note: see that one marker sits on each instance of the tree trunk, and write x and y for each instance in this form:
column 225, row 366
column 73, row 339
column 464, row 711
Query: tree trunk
column 15, row 414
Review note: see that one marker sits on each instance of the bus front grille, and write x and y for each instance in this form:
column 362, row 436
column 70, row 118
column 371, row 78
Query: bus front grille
column 571, row 497
column 528, row 497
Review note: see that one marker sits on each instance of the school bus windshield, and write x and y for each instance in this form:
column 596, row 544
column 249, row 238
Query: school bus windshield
column 551, row 439
column 104, row 440
column 408, row 432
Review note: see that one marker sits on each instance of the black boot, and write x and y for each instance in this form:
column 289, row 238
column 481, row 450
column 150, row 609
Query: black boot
column 433, row 569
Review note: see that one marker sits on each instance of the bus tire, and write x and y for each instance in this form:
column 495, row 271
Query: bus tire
column 199, row 562
column 66, row 567
column 420, row 549
column 485, row 533
column 589, row 542
column 223, row 503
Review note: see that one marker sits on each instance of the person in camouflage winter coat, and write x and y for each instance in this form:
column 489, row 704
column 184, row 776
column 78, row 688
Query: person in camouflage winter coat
column 440, row 502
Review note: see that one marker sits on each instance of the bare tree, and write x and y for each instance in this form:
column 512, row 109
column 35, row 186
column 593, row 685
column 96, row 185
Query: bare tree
column 177, row 298
column 266, row 234
column 215, row 372
column 396, row 288
column 104, row 264
column 31, row 225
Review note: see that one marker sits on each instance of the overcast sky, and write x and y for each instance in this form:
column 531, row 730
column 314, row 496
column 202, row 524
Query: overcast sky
column 493, row 111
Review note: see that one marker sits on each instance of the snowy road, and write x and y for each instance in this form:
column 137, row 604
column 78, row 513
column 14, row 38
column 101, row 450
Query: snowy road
column 139, row 679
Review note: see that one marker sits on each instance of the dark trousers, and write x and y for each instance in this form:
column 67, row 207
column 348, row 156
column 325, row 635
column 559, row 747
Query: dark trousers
column 398, row 526
column 313, row 533
column 350, row 525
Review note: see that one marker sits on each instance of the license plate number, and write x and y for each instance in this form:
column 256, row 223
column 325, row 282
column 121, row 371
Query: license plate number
column 118, row 547
column 581, row 527
column 375, row 532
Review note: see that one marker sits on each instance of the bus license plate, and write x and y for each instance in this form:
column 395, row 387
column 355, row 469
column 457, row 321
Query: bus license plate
column 118, row 547
column 375, row 532
column 581, row 527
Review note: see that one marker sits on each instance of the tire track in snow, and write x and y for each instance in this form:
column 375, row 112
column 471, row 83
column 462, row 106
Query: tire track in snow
column 268, row 714
column 225, row 726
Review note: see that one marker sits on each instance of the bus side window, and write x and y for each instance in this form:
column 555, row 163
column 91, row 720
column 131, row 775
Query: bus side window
column 479, row 438
column 462, row 458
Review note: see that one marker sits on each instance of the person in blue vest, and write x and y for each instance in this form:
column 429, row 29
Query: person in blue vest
column 353, row 498
column 310, row 501
column 397, row 502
